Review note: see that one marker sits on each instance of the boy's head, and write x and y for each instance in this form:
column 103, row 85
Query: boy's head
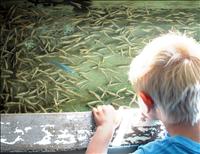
column 166, row 75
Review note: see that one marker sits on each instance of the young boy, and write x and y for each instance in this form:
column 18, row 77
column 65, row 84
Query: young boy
column 166, row 77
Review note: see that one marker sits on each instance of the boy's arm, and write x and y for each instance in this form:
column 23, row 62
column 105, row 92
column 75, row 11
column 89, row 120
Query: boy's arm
column 106, row 120
column 100, row 141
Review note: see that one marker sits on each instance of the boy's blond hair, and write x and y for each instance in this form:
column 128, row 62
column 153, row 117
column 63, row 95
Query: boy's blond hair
column 168, row 69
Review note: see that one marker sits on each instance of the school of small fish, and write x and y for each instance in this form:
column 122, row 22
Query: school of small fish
column 56, row 60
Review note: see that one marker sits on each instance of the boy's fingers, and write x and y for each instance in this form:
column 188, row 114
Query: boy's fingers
column 95, row 112
column 99, row 108
column 94, row 109
column 102, row 109
column 107, row 107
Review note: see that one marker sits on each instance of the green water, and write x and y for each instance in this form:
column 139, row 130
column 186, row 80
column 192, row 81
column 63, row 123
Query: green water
column 97, row 46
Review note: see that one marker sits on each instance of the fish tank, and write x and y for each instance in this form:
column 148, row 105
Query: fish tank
column 72, row 55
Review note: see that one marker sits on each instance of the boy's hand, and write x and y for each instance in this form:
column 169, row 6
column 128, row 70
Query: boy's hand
column 106, row 115
column 107, row 119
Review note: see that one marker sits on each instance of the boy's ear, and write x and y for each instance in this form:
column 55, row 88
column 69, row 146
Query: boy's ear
column 148, row 101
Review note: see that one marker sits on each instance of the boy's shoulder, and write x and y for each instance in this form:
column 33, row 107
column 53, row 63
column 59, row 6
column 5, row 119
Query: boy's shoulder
column 175, row 144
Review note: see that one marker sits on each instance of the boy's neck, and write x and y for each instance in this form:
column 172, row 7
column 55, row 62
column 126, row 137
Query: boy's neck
column 186, row 130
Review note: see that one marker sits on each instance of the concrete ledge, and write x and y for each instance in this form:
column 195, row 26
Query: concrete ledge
column 61, row 132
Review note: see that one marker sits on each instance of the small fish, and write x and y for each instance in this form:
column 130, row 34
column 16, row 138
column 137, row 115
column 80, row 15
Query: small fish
column 63, row 67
